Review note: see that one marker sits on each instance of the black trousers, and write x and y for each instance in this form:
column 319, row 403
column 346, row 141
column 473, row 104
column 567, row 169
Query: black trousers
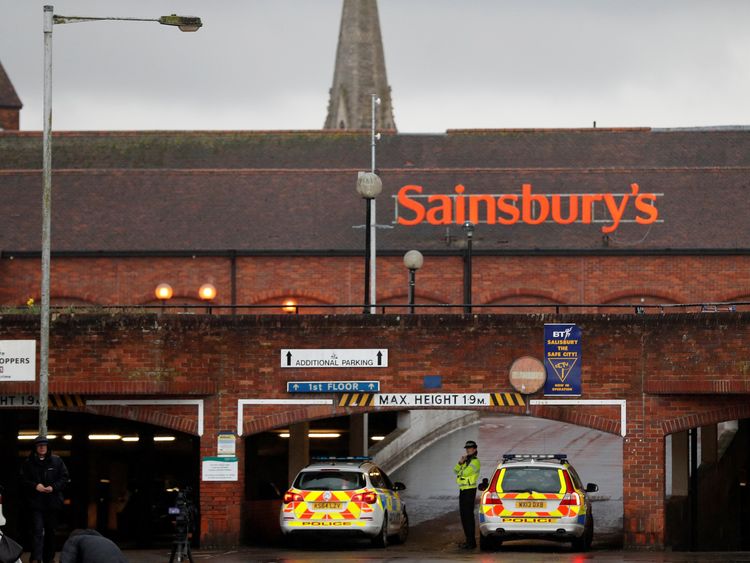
column 43, row 523
column 466, row 508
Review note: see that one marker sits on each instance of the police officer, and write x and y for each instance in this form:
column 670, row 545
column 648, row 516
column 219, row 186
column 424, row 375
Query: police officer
column 467, row 475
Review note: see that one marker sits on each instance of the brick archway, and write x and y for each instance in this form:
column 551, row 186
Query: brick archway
column 593, row 417
column 733, row 408
column 150, row 415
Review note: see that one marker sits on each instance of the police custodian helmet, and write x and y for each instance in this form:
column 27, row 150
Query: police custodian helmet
column 470, row 444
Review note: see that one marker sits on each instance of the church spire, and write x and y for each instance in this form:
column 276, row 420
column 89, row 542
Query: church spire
column 360, row 71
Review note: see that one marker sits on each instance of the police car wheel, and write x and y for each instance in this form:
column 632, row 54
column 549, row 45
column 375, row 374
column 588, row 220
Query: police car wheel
column 381, row 540
column 488, row 543
column 291, row 541
column 584, row 542
column 403, row 531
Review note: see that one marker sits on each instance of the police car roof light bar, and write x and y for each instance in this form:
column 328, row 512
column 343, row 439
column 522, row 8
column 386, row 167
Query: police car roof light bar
column 517, row 457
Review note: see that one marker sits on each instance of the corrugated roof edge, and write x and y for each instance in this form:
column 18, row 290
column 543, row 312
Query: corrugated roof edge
column 550, row 130
column 706, row 128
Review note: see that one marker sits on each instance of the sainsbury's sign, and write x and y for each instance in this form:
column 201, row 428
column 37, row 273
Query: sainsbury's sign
column 413, row 207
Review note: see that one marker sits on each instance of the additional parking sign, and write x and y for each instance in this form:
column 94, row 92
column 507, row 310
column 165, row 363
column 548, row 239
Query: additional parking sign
column 17, row 360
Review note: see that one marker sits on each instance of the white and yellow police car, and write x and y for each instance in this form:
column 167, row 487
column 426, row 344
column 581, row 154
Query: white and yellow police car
column 344, row 497
column 536, row 496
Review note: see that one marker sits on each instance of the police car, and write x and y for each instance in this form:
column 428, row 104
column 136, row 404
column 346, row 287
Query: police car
column 344, row 496
column 536, row 496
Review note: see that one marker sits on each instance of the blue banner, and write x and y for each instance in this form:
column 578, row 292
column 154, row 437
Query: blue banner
column 333, row 387
column 562, row 360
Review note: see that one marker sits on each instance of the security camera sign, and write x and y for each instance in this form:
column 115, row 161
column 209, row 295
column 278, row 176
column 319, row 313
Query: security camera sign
column 17, row 360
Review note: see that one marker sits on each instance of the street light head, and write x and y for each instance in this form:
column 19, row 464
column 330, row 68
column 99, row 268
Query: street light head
column 184, row 23
column 289, row 305
column 369, row 185
column 163, row 291
column 469, row 228
column 413, row 260
column 207, row 292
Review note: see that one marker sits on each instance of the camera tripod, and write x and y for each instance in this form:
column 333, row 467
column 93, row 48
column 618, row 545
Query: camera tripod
column 181, row 550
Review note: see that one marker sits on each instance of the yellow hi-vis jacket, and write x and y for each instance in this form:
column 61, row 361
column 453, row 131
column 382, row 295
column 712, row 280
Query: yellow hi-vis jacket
column 467, row 473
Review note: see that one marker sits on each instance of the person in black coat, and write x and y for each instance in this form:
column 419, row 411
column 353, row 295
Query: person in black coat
column 43, row 478
column 89, row 546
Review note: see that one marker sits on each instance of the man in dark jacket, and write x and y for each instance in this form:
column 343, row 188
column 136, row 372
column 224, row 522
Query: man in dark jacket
column 89, row 546
column 43, row 477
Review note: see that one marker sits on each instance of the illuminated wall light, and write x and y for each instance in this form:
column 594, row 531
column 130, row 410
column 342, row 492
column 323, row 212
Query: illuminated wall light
column 68, row 437
column 377, row 438
column 164, row 438
column 130, row 438
column 207, row 292
column 163, row 292
column 104, row 437
column 289, row 306
column 315, row 435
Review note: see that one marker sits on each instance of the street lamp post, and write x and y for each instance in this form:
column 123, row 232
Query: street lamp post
column 369, row 187
column 469, row 230
column 50, row 19
column 163, row 293
column 207, row 293
column 413, row 260
column 372, row 219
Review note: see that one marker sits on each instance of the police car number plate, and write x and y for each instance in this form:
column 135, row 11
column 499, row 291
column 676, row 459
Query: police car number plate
column 529, row 504
column 327, row 505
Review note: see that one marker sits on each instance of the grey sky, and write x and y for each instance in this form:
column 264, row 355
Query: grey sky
column 268, row 64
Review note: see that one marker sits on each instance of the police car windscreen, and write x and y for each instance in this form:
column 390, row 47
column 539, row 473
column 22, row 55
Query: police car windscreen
column 329, row 480
column 531, row 479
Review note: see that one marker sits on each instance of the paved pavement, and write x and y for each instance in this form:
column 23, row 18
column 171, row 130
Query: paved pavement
column 536, row 556
column 433, row 540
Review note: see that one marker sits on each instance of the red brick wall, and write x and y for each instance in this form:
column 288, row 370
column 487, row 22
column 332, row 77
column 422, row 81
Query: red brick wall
column 224, row 359
column 511, row 279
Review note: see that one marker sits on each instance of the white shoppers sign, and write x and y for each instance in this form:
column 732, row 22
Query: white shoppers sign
column 17, row 360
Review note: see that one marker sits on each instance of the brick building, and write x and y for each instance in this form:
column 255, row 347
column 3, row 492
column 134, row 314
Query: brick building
column 268, row 216
column 10, row 104
column 565, row 221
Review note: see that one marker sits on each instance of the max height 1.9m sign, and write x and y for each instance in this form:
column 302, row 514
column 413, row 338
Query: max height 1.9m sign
column 562, row 360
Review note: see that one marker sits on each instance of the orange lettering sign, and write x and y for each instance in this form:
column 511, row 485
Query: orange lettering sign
column 527, row 207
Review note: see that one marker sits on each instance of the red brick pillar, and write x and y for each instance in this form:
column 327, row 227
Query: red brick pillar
column 221, row 502
column 643, row 484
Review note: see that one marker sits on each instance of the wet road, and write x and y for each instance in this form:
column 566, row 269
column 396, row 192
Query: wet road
column 531, row 555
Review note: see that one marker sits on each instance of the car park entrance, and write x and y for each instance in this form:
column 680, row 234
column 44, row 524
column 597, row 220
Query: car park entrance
column 125, row 475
